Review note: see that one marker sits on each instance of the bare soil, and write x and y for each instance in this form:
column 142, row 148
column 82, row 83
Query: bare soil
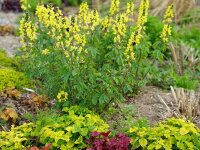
column 150, row 106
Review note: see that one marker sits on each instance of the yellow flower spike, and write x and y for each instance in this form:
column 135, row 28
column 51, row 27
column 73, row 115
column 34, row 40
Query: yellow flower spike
column 27, row 29
column 129, row 54
column 119, row 28
column 106, row 23
column 94, row 19
column 49, row 17
column 62, row 96
column 129, row 8
column 83, row 13
column 136, row 36
column 114, row 8
column 166, row 31
column 24, row 4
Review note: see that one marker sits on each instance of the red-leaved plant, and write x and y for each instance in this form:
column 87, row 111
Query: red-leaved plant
column 101, row 141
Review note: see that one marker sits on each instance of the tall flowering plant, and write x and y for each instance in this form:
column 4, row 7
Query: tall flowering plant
column 90, row 57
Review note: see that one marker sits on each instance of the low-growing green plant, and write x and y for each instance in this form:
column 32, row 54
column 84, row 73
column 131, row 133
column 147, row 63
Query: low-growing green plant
column 189, row 36
column 66, row 130
column 13, row 139
column 6, row 61
column 165, row 75
column 10, row 78
column 185, row 82
column 170, row 134
column 96, row 60
column 120, row 118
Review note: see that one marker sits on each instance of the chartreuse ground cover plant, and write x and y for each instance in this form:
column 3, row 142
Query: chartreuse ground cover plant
column 6, row 61
column 66, row 131
column 96, row 60
column 10, row 78
column 170, row 134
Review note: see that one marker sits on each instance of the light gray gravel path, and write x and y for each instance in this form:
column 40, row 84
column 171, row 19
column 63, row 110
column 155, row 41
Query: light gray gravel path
column 10, row 43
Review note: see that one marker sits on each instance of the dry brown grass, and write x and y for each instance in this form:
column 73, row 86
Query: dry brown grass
column 186, row 104
column 6, row 30
column 158, row 7
column 184, row 57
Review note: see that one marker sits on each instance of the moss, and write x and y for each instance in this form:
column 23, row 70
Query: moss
column 11, row 78
column 6, row 61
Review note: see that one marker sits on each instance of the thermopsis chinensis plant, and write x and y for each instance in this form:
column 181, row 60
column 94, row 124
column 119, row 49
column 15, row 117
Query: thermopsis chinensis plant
column 93, row 59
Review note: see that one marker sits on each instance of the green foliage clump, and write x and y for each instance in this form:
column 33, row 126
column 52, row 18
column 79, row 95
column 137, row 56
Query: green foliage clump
column 11, row 78
column 170, row 134
column 156, row 24
column 13, row 139
column 190, row 36
column 67, row 130
column 185, row 82
column 120, row 118
column 166, row 76
column 6, row 61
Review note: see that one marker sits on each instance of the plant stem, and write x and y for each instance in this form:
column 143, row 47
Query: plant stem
column 137, row 69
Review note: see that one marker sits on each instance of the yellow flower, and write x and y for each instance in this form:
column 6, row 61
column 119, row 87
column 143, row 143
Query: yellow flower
column 119, row 28
column 129, row 8
column 114, row 8
column 88, row 20
column 136, row 36
column 83, row 14
column 94, row 19
column 62, row 96
column 166, row 31
column 27, row 29
column 45, row 52
column 24, row 4
column 106, row 23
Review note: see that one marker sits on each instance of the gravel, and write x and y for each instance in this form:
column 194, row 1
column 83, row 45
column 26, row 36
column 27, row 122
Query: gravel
column 10, row 43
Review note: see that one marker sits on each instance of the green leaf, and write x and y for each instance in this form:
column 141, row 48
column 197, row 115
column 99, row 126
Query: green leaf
column 158, row 146
column 151, row 146
column 95, row 99
column 143, row 142
column 79, row 140
column 93, row 51
column 127, row 88
column 74, row 72
column 183, row 131
column 103, row 98
column 84, row 131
